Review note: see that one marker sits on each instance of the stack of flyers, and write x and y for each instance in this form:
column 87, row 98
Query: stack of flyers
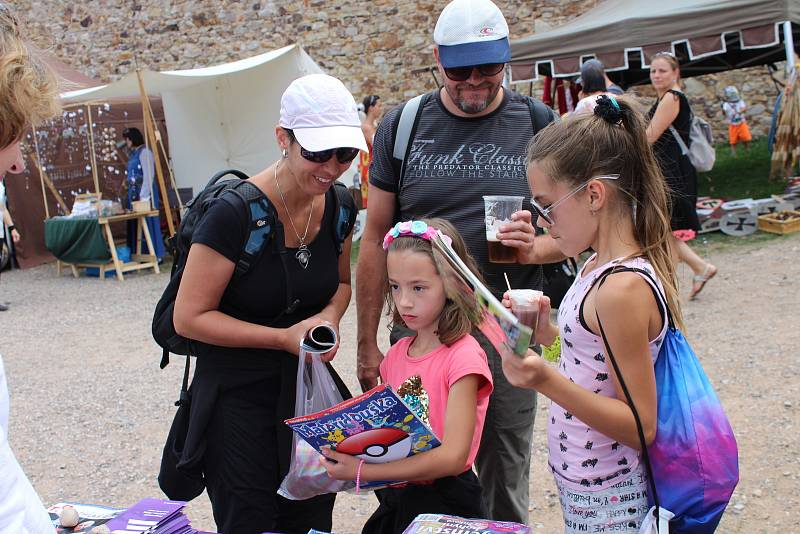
column 152, row 516
column 430, row 523
column 89, row 516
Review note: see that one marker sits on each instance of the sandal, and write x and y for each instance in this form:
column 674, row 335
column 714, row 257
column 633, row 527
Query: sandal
column 699, row 280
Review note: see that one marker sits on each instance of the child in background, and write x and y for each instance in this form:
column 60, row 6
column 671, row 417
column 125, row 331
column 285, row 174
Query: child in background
column 609, row 197
column 734, row 108
column 442, row 372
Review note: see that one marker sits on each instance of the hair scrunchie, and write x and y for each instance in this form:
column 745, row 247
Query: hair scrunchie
column 608, row 109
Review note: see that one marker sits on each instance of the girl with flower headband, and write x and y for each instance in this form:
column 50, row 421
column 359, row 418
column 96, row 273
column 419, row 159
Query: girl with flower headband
column 442, row 373
column 596, row 184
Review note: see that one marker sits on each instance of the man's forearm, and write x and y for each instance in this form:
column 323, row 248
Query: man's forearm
column 545, row 251
column 370, row 281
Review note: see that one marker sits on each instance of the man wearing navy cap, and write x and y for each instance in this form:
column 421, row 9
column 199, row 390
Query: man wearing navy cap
column 468, row 139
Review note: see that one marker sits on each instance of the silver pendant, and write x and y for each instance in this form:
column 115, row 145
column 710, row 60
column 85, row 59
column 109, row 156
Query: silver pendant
column 303, row 256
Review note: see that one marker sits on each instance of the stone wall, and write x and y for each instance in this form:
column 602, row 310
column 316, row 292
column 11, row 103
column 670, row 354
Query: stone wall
column 373, row 46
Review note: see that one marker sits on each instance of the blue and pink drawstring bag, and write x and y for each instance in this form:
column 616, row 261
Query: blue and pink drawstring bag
column 693, row 463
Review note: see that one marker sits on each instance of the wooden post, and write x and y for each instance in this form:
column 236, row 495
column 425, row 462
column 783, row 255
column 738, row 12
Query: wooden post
column 50, row 186
column 160, row 143
column 92, row 154
column 41, row 174
column 151, row 135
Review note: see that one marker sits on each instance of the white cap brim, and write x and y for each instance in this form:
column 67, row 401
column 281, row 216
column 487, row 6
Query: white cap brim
column 327, row 137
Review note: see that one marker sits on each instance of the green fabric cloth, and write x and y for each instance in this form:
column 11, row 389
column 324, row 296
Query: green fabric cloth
column 76, row 240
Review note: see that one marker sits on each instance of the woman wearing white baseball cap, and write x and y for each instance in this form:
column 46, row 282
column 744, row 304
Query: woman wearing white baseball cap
column 247, row 328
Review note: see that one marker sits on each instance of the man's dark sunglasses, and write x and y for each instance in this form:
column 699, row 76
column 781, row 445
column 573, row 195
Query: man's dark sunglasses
column 343, row 154
column 460, row 74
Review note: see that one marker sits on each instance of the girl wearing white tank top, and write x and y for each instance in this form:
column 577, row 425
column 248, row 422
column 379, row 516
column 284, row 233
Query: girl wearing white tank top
column 596, row 185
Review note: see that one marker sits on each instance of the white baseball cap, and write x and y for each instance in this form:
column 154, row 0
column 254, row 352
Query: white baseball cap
column 472, row 32
column 322, row 114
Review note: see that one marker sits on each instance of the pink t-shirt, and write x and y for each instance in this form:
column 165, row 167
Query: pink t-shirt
column 424, row 382
column 582, row 457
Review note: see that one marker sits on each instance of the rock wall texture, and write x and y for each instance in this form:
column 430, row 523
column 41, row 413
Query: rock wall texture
column 376, row 47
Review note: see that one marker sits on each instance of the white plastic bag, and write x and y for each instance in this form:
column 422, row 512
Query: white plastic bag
column 316, row 390
column 649, row 524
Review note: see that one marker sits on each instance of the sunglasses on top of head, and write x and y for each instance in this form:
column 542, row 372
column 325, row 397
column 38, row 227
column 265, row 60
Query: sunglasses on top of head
column 544, row 212
column 460, row 74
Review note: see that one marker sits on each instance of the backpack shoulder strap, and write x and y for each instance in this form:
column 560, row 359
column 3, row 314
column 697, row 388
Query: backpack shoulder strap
column 403, row 133
column 261, row 221
column 344, row 215
column 541, row 114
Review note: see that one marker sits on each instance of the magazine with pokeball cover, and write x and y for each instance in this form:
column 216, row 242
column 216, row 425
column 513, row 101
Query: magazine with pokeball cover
column 377, row 427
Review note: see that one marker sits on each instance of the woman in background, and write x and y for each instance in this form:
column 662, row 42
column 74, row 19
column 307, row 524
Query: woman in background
column 372, row 111
column 672, row 113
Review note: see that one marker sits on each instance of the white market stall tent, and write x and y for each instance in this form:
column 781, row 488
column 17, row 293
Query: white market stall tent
column 217, row 117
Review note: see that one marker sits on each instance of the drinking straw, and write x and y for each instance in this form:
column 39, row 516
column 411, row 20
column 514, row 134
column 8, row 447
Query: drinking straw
column 507, row 282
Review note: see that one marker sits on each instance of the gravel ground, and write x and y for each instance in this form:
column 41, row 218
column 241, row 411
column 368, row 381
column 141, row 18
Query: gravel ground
column 91, row 409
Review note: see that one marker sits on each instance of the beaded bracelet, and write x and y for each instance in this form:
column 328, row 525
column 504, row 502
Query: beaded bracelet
column 358, row 476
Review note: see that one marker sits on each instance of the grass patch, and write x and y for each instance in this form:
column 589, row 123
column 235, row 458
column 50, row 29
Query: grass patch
column 743, row 176
column 713, row 242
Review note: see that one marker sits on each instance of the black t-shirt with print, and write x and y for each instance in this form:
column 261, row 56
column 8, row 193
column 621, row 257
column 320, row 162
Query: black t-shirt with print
column 259, row 296
column 454, row 161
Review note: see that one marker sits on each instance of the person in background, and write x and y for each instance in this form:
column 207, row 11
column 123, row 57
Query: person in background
column 470, row 141
column 671, row 115
column 142, row 186
column 734, row 109
column 6, row 222
column 372, row 115
column 28, row 95
column 594, row 83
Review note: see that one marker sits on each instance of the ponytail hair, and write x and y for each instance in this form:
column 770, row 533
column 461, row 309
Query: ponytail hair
column 612, row 140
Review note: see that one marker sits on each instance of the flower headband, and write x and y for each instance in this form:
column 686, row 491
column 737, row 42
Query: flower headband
column 413, row 229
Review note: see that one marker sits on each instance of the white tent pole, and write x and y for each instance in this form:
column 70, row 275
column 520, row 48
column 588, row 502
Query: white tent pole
column 788, row 42
column 92, row 155
column 41, row 175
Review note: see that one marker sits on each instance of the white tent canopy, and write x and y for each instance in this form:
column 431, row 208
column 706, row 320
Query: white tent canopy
column 218, row 117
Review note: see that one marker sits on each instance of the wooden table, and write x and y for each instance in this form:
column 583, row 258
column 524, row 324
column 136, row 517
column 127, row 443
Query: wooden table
column 138, row 260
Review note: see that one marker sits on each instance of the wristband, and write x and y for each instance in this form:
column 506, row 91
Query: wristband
column 12, row 227
column 552, row 352
column 358, row 476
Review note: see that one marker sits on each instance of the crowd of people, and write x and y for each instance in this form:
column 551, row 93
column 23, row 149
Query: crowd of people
column 606, row 179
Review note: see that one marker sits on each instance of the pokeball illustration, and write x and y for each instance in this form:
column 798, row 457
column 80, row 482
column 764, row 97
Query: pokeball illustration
column 377, row 446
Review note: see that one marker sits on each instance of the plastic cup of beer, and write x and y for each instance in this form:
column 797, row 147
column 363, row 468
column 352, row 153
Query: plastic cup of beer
column 498, row 210
column 525, row 306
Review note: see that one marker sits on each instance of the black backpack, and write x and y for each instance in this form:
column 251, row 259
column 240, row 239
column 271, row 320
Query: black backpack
column 265, row 229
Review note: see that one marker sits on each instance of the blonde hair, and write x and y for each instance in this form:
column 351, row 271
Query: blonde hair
column 28, row 87
column 586, row 145
column 461, row 311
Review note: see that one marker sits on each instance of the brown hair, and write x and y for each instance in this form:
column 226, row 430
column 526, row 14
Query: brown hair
column 461, row 310
column 28, row 87
column 587, row 145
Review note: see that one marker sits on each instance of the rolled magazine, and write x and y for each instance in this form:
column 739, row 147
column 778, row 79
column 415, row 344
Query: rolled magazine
column 319, row 339
column 518, row 335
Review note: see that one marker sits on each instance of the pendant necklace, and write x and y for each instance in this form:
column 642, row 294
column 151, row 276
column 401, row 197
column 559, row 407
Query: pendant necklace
column 303, row 255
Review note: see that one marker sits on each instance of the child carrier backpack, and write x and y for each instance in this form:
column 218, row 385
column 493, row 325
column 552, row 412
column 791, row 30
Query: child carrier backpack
column 701, row 144
column 264, row 228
